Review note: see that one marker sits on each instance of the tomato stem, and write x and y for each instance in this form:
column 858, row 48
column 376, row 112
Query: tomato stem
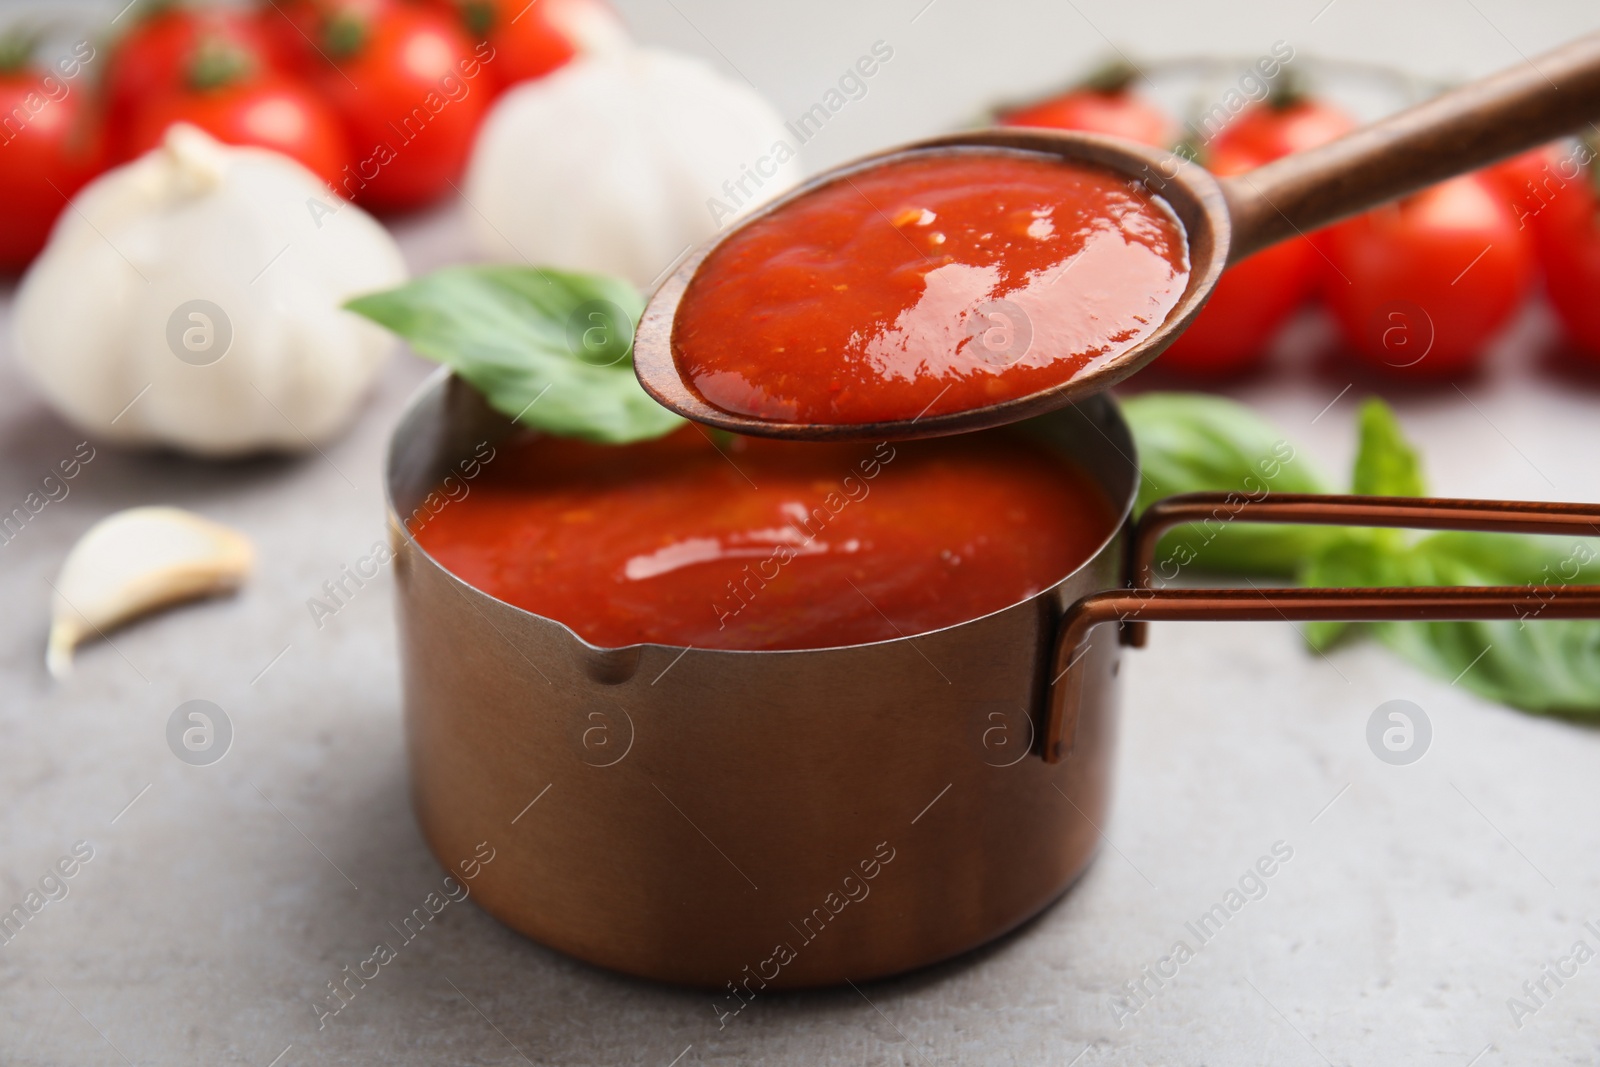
column 218, row 63
column 1111, row 77
column 17, row 46
column 1289, row 89
column 346, row 33
column 478, row 16
column 154, row 9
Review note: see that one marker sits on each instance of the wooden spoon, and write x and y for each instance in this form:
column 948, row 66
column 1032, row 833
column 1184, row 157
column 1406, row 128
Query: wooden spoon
column 1226, row 219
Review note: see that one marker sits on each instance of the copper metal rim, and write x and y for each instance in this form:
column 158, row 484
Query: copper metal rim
column 1191, row 193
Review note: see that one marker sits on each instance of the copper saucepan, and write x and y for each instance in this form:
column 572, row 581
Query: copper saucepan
column 785, row 819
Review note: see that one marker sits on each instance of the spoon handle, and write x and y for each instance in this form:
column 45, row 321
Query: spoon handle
column 1527, row 105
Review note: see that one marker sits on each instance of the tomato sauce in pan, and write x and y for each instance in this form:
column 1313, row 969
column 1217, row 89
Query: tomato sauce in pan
column 767, row 544
column 939, row 282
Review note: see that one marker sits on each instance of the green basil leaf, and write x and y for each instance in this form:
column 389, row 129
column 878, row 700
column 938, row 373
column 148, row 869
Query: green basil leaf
column 1196, row 443
column 1346, row 563
column 1386, row 463
column 1538, row 664
column 550, row 348
column 1191, row 442
column 1461, row 558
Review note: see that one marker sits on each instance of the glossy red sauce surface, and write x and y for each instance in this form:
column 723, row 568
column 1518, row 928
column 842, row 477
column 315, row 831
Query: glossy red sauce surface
column 772, row 545
column 935, row 283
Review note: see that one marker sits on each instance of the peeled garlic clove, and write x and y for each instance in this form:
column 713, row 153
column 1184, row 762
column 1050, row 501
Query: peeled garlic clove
column 136, row 561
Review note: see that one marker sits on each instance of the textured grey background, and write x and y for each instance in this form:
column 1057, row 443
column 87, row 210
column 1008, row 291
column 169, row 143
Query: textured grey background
column 215, row 909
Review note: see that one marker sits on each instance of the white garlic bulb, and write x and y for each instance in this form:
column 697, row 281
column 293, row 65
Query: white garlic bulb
column 619, row 162
column 192, row 298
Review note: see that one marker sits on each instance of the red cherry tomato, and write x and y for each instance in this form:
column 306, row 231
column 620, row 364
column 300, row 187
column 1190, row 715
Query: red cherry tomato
column 1273, row 129
column 1566, row 229
column 411, row 90
column 1118, row 112
column 1514, row 175
column 267, row 111
column 304, row 32
column 1278, row 127
column 153, row 57
column 1250, row 304
column 531, row 40
column 1255, row 297
column 1418, row 288
column 50, row 145
column 292, row 28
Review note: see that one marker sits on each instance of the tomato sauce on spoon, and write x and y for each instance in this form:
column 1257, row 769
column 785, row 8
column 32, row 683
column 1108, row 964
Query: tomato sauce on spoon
column 937, row 282
column 771, row 544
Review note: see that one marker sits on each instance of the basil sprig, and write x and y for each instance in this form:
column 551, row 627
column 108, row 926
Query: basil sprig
column 1195, row 443
column 1204, row 443
column 552, row 349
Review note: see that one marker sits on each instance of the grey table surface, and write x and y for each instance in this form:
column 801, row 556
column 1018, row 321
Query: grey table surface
column 220, row 900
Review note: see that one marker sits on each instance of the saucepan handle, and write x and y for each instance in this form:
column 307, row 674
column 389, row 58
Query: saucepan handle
column 1532, row 102
column 1139, row 603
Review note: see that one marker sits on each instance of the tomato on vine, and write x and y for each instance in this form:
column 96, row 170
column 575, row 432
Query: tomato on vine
column 1419, row 288
column 1104, row 103
column 1251, row 302
column 1255, row 297
column 50, row 145
column 225, row 93
column 1566, row 233
column 1528, row 180
column 410, row 89
column 152, row 57
column 1284, row 123
column 531, row 40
